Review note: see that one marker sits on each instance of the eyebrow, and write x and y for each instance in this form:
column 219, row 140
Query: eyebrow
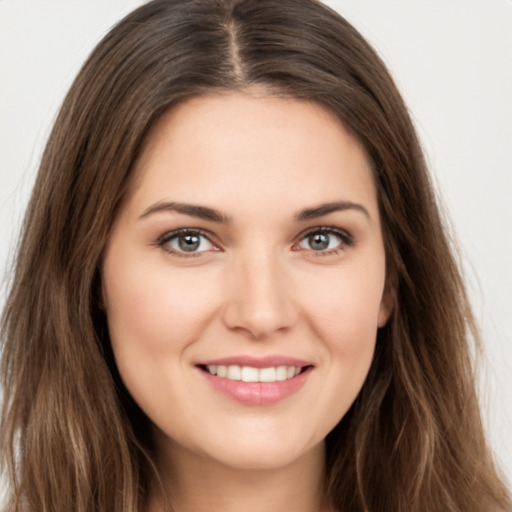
column 327, row 208
column 192, row 210
column 210, row 214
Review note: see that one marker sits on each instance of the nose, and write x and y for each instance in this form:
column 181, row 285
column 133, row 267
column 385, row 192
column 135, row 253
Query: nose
column 259, row 300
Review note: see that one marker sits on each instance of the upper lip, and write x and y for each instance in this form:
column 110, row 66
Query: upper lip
column 256, row 362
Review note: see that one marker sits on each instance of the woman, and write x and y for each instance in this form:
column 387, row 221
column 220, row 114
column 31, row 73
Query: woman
column 234, row 290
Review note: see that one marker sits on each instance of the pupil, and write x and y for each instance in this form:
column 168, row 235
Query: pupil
column 319, row 241
column 189, row 243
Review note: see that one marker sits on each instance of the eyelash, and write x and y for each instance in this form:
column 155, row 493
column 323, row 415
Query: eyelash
column 346, row 240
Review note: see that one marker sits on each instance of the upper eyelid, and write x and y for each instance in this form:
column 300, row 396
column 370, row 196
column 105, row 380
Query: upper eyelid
column 325, row 229
column 169, row 235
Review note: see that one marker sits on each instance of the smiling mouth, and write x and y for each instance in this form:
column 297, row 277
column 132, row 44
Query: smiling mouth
column 251, row 374
column 256, row 381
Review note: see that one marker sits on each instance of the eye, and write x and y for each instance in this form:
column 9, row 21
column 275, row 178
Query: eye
column 186, row 241
column 325, row 240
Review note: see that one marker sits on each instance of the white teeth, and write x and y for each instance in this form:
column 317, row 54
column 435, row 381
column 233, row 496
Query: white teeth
column 250, row 374
column 234, row 372
column 267, row 374
column 281, row 373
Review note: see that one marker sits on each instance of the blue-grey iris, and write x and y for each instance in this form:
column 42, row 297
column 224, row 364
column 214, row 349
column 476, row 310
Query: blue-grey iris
column 189, row 243
column 318, row 241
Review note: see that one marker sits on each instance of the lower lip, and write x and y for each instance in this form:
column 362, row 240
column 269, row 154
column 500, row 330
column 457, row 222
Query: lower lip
column 257, row 393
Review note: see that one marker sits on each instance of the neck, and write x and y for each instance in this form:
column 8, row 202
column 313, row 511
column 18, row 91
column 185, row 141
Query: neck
column 198, row 484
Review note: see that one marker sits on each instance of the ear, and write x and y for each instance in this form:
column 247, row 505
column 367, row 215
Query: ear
column 100, row 303
column 387, row 304
column 98, row 289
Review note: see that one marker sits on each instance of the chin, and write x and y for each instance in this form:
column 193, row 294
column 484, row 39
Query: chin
column 265, row 455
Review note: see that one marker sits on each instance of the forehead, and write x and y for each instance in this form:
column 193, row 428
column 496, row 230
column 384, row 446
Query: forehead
column 250, row 145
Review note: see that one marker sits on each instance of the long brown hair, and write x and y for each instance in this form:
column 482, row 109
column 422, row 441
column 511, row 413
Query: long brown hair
column 71, row 436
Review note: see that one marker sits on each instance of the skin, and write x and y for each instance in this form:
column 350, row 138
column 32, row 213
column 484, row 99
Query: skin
column 255, row 286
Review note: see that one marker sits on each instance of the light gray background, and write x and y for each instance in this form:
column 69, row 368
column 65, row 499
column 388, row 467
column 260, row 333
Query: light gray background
column 452, row 59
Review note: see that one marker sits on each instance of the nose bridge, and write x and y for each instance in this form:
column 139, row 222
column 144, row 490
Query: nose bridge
column 259, row 299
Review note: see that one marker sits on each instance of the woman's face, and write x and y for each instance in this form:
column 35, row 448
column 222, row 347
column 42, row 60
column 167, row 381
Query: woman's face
column 244, row 279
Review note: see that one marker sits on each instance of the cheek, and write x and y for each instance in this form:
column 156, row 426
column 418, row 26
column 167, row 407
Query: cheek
column 345, row 309
column 344, row 314
column 157, row 307
column 154, row 314
column 341, row 309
